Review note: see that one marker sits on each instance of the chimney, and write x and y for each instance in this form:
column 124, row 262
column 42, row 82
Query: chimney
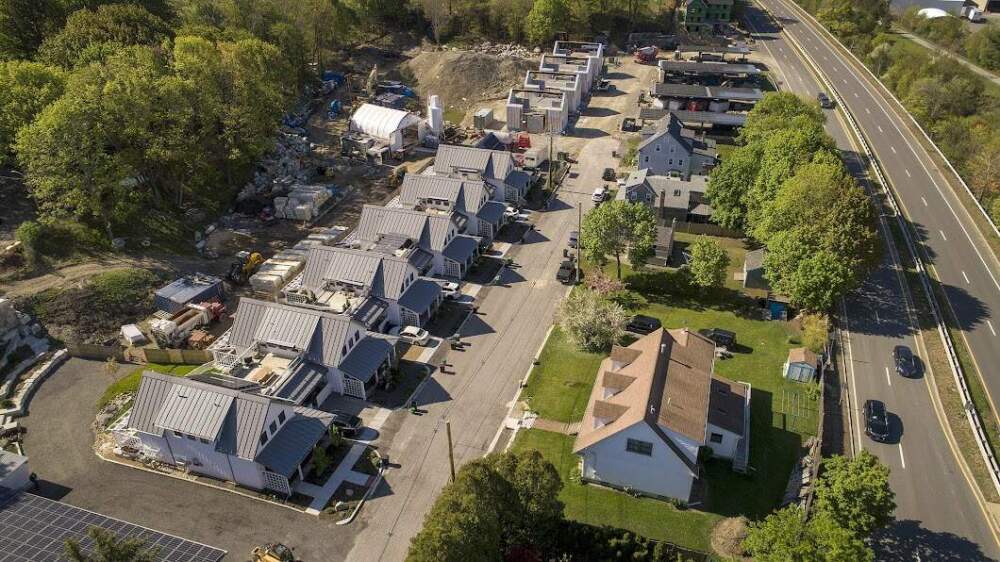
column 663, row 203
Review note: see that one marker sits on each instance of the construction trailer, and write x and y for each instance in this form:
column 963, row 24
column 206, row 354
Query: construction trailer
column 537, row 111
column 702, row 72
column 567, row 82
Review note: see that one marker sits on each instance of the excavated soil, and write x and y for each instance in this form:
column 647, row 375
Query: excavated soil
column 464, row 79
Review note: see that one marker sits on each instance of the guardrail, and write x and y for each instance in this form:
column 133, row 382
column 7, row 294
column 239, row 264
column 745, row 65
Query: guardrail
column 972, row 415
column 889, row 95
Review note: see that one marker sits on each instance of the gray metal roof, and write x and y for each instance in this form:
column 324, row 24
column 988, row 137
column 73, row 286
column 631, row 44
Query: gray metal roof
column 492, row 212
column 429, row 231
column 712, row 117
column 461, row 248
column 519, row 179
column 668, row 125
column 698, row 91
column 364, row 360
column 707, row 68
column 240, row 424
column 736, row 49
column 321, row 335
column 492, row 164
column 383, row 274
column 294, row 441
column 466, row 195
column 305, row 379
column 9, row 462
column 420, row 296
column 194, row 411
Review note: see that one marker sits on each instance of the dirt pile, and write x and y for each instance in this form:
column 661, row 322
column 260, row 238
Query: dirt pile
column 465, row 78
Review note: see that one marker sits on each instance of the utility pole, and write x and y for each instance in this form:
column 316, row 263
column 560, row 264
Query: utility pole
column 451, row 451
column 552, row 164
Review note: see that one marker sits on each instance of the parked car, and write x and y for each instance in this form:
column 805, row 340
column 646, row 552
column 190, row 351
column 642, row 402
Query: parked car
column 824, row 100
column 722, row 338
column 450, row 289
column 574, row 238
column 605, row 86
column 411, row 334
column 567, row 272
column 641, row 324
column 906, row 363
column 348, row 424
column 609, row 174
column 876, row 420
column 600, row 194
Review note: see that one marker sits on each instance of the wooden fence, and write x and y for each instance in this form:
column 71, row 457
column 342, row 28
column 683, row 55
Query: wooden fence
column 139, row 354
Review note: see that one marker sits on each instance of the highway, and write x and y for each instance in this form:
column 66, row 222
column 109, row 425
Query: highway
column 957, row 251
column 938, row 514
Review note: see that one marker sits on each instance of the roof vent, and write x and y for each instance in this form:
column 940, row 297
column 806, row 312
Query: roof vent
column 663, row 348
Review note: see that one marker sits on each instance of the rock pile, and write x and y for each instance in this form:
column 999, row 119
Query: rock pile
column 502, row 49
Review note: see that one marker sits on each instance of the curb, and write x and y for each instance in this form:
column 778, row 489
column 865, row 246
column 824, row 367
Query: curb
column 378, row 480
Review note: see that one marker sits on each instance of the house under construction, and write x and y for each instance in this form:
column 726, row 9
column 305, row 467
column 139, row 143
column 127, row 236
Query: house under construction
column 537, row 111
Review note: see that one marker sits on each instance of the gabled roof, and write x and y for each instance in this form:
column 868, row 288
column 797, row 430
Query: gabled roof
column 802, row 355
column 466, row 195
column 461, row 248
column 383, row 274
column 294, row 441
column 727, row 405
column 364, row 360
column 491, row 164
column 662, row 379
column 237, row 424
column 429, row 231
column 420, row 295
column 668, row 125
column 321, row 335
column 754, row 259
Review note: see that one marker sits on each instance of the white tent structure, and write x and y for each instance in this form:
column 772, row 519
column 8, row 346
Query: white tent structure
column 932, row 13
column 393, row 127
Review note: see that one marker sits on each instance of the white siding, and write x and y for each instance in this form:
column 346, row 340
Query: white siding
column 665, row 155
column 687, row 445
column 727, row 448
column 662, row 473
column 198, row 457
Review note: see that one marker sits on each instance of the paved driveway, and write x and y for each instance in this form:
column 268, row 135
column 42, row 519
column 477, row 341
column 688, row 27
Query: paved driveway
column 59, row 448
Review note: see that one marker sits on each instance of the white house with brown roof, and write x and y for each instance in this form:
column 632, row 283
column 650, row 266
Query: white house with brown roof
column 654, row 404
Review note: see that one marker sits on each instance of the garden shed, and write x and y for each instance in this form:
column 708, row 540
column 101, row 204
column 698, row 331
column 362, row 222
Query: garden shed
column 800, row 365
column 190, row 288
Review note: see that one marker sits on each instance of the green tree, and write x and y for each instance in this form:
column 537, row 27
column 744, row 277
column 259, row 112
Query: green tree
column 24, row 24
column 321, row 460
column 545, row 18
column 785, row 536
column 93, row 35
column 984, row 169
column 25, row 89
column 983, row 47
column 336, row 437
column 779, row 110
column 619, row 228
column 591, row 322
column 537, row 485
column 729, row 184
column 107, row 547
column 709, row 262
column 815, row 331
column 855, row 493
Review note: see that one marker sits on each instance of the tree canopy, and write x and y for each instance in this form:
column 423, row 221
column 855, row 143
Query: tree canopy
column 709, row 263
column 26, row 88
column 591, row 321
column 619, row 228
column 108, row 548
column 855, row 493
column 785, row 536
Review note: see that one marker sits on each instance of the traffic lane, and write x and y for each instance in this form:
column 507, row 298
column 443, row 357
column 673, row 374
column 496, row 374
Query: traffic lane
column 972, row 288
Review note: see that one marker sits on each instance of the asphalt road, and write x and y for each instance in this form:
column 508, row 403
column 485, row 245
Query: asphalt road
column 938, row 515
column 960, row 255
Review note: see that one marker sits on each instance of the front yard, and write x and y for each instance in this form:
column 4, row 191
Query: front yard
column 130, row 382
column 783, row 413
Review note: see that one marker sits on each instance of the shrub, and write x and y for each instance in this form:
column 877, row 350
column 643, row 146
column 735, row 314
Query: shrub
column 591, row 322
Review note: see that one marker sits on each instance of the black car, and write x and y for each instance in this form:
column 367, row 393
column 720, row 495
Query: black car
column 824, row 100
column 906, row 363
column 876, row 420
column 640, row 324
column 609, row 174
column 567, row 272
column 722, row 338
column 348, row 424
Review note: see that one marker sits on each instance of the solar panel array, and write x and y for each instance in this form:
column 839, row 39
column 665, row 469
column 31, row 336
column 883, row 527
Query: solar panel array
column 35, row 529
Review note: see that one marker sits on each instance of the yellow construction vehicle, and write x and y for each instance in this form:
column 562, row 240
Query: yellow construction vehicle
column 245, row 265
column 272, row 552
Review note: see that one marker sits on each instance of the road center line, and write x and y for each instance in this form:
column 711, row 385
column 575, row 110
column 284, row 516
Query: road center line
column 868, row 111
column 893, row 149
column 888, row 379
column 924, row 200
column 880, row 129
column 909, row 176
column 967, row 282
column 943, row 236
column 990, row 324
column 902, row 460
column 855, row 94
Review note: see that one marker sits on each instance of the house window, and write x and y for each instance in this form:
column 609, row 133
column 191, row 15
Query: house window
column 191, row 437
column 657, row 148
column 263, row 437
column 203, row 440
column 646, row 159
column 680, row 162
column 639, row 447
column 671, row 161
column 178, row 434
column 715, row 438
column 281, row 417
column 273, row 427
column 677, row 193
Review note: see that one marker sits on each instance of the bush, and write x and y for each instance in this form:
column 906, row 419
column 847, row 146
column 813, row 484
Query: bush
column 56, row 239
column 122, row 287
column 591, row 322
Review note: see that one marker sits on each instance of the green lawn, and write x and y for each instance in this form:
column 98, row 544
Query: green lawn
column 601, row 506
column 559, row 385
column 130, row 382
column 783, row 414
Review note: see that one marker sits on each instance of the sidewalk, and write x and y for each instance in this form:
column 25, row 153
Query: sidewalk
column 937, row 48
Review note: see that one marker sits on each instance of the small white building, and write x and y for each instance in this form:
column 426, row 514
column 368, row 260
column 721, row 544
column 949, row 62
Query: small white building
column 654, row 404
column 393, row 128
column 800, row 365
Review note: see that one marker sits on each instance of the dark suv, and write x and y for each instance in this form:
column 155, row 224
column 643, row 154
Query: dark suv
column 641, row 324
column 824, row 100
column 348, row 424
column 566, row 273
column 906, row 363
column 876, row 420
column 722, row 338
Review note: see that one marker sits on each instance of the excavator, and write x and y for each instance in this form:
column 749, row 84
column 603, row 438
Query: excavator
column 272, row 552
column 245, row 265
